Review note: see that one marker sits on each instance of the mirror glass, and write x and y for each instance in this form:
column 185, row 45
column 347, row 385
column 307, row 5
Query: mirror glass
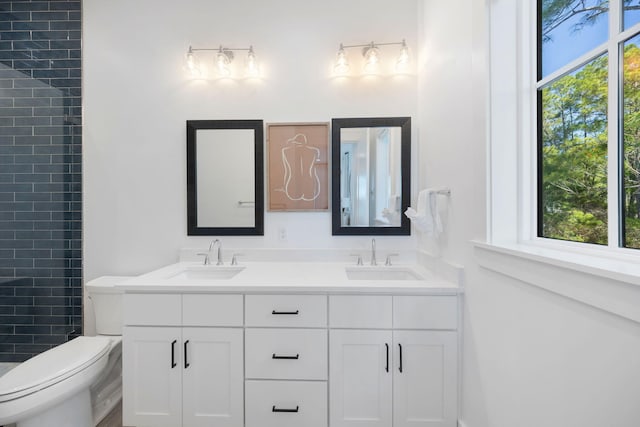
column 225, row 177
column 371, row 175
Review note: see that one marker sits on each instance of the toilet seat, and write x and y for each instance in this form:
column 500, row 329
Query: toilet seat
column 52, row 367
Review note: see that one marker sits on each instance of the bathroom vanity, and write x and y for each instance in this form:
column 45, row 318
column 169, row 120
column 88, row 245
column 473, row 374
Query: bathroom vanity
column 305, row 344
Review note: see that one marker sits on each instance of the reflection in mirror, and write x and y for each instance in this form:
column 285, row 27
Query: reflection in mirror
column 225, row 177
column 371, row 175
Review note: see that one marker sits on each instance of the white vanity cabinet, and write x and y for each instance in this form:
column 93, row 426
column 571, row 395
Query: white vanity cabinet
column 271, row 355
column 183, row 360
column 393, row 361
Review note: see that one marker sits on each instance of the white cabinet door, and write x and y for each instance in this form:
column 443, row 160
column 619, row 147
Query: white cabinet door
column 212, row 392
column 152, row 376
column 360, row 378
column 425, row 379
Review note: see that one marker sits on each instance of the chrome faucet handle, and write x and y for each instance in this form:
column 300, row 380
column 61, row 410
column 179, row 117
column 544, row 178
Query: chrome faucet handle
column 234, row 259
column 358, row 260
column 207, row 261
column 388, row 261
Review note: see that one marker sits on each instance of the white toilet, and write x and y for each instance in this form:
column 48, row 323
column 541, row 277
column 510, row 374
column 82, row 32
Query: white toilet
column 74, row 384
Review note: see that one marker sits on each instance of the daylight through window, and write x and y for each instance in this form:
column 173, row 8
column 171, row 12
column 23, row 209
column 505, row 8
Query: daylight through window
column 588, row 85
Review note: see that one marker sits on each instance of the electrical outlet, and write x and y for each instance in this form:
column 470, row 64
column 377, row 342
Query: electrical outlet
column 282, row 234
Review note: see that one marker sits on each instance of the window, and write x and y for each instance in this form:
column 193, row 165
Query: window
column 588, row 112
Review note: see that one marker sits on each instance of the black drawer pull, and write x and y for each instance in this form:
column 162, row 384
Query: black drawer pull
column 186, row 363
column 173, row 354
column 296, row 357
column 400, row 347
column 286, row 312
column 387, row 347
column 274, row 409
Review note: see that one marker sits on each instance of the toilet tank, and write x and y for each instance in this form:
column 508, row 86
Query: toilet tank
column 107, row 303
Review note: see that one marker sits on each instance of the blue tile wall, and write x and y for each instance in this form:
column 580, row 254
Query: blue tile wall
column 40, row 176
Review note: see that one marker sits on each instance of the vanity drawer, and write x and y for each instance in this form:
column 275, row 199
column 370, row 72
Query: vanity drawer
column 285, row 404
column 425, row 312
column 211, row 310
column 360, row 311
column 305, row 311
column 299, row 354
column 152, row 309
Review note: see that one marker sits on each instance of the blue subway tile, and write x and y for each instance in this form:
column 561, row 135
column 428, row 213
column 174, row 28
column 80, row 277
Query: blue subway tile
column 49, row 35
column 33, row 121
column 14, row 35
column 33, row 310
column 33, row 139
column 33, row 197
column 50, row 74
column 16, row 320
column 13, row 244
column 66, row 25
column 20, row 168
column 33, row 330
column 35, row 291
column 33, row 253
column 49, row 16
column 31, row 6
column 32, row 235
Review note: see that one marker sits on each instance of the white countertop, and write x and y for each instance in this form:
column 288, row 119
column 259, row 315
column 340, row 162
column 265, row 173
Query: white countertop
column 289, row 277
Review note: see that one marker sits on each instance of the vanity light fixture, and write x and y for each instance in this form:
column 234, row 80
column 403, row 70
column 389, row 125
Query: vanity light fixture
column 222, row 60
column 371, row 54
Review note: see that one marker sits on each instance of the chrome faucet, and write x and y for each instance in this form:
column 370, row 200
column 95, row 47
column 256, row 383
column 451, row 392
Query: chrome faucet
column 214, row 243
column 373, row 252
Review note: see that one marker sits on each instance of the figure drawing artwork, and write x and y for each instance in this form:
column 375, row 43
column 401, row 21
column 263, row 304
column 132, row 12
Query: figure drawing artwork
column 298, row 166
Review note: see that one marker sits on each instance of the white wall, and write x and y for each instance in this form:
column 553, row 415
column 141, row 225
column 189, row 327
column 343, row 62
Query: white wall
column 531, row 358
column 137, row 98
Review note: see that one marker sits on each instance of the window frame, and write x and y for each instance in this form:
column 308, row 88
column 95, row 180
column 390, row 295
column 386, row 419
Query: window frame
column 613, row 48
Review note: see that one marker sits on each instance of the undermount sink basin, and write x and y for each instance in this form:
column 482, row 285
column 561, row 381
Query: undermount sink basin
column 382, row 273
column 207, row 272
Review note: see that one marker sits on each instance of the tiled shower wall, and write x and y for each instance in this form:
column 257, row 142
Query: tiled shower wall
column 40, row 176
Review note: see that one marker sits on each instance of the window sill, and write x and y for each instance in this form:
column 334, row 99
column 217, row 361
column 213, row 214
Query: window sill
column 609, row 284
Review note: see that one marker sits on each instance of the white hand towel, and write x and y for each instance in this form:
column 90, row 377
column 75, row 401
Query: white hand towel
column 427, row 217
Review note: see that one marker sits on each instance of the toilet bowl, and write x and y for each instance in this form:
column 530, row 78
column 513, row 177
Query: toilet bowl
column 74, row 384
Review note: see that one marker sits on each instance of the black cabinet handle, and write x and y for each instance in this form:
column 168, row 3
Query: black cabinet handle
column 186, row 363
column 274, row 409
column 173, row 354
column 275, row 356
column 400, row 367
column 387, row 367
column 286, row 312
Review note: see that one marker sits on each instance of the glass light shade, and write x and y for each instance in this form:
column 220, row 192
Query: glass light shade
column 371, row 59
column 252, row 69
column 402, row 63
column 191, row 60
column 222, row 64
column 341, row 67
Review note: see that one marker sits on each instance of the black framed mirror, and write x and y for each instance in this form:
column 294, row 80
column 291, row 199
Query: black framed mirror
column 225, row 177
column 371, row 176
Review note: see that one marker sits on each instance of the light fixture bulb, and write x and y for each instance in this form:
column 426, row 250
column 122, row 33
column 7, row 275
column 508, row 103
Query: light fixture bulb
column 403, row 59
column 252, row 64
column 223, row 59
column 371, row 59
column 341, row 67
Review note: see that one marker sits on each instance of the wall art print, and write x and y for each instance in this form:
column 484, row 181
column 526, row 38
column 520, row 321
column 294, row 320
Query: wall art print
column 298, row 166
